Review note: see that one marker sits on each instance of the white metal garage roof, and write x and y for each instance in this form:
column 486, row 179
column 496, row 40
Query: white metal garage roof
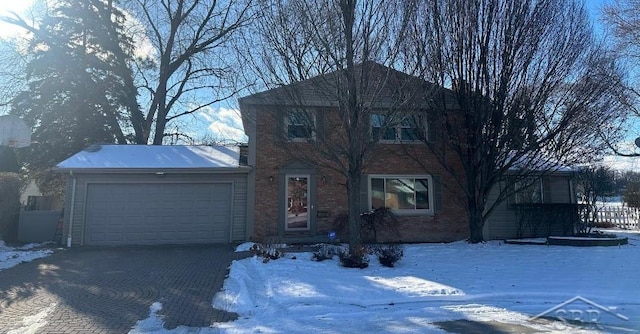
column 152, row 156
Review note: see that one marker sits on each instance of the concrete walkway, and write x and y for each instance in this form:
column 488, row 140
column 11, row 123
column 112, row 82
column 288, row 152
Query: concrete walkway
column 106, row 290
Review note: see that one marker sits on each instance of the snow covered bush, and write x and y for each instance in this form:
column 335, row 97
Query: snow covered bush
column 353, row 260
column 267, row 251
column 325, row 252
column 388, row 255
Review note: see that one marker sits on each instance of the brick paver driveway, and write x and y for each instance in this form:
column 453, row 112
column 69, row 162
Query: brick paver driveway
column 106, row 290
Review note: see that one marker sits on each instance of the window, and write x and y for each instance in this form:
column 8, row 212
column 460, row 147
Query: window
column 403, row 194
column 378, row 125
column 406, row 128
column 528, row 191
column 300, row 125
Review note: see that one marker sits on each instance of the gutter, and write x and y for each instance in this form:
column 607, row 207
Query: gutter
column 72, row 207
column 122, row 170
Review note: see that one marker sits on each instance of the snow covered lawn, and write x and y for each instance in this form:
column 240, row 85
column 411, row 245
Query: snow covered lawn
column 493, row 283
column 10, row 256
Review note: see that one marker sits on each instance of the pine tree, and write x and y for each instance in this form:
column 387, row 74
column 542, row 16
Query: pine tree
column 80, row 90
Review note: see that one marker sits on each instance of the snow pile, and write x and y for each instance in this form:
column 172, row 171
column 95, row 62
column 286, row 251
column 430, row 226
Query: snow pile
column 244, row 247
column 10, row 256
column 33, row 323
column 153, row 324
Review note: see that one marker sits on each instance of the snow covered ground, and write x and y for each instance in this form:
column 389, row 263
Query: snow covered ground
column 11, row 256
column 493, row 283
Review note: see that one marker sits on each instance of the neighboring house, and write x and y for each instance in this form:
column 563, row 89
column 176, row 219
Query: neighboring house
column 138, row 194
column 30, row 190
column 297, row 198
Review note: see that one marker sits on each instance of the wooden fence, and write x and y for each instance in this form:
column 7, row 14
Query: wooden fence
column 622, row 217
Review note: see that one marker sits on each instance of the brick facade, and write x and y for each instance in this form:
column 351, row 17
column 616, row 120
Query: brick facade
column 272, row 155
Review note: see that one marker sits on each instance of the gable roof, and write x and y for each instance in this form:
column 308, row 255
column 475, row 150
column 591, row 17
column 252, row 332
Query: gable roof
column 383, row 85
column 138, row 157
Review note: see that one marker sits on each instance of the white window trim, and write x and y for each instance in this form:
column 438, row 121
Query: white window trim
column 398, row 131
column 404, row 212
column 313, row 127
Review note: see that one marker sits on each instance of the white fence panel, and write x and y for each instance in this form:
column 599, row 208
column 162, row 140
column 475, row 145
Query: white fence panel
column 623, row 217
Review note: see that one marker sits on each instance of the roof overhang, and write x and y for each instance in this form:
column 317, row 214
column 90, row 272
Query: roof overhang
column 160, row 171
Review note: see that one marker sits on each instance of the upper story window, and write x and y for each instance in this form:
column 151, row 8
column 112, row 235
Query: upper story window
column 404, row 128
column 300, row 125
column 404, row 194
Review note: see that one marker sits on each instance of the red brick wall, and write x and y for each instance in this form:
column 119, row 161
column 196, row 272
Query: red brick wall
column 271, row 154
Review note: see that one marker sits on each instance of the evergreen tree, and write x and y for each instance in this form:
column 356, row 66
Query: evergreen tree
column 80, row 90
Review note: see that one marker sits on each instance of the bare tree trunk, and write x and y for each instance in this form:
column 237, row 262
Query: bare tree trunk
column 476, row 221
column 353, row 196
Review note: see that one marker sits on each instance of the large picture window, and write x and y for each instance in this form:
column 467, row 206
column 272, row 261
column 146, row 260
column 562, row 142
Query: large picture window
column 403, row 194
column 300, row 125
column 405, row 128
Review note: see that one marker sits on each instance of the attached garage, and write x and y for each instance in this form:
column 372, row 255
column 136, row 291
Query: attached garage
column 150, row 195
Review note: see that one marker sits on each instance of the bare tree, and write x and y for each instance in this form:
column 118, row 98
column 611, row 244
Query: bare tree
column 594, row 183
column 623, row 20
column 530, row 91
column 188, row 68
column 334, row 51
column 12, row 73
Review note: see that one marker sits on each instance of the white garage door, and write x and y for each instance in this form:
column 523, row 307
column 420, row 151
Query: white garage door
column 158, row 213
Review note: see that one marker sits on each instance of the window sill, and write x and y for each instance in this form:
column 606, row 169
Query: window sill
column 414, row 213
column 301, row 140
column 398, row 142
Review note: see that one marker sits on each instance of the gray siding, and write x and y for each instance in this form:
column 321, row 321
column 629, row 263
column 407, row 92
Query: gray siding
column 503, row 223
column 77, row 209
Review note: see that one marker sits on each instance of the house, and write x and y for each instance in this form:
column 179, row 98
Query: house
column 144, row 195
column 286, row 190
column 297, row 195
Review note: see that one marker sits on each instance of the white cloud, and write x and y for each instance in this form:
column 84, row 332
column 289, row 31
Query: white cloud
column 624, row 163
column 224, row 124
column 143, row 46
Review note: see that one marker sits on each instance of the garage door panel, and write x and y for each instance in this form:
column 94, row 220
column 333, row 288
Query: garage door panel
column 157, row 213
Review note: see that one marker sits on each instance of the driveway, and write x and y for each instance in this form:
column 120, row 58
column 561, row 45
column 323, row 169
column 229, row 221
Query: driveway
column 106, row 290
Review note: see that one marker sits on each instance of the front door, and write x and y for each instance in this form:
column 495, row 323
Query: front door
column 297, row 204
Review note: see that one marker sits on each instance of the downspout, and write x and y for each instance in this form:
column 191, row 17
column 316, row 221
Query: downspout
column 72, row 206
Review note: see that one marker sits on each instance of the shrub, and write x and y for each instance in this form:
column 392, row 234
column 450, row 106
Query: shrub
column 388, row 255
column 603, row 224
column 267, row 251
column 9, row 203
column 371, row 223
column 325, row 252
column 349, row 260
column 378, row 220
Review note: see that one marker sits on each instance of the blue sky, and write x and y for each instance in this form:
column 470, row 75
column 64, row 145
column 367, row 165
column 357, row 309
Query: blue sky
column 222, row 121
